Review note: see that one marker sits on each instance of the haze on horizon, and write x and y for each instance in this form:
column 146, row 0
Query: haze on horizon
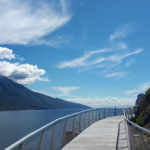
column 93, row 53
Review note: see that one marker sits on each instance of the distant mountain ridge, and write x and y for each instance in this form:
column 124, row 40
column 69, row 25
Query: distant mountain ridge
column 14, row 96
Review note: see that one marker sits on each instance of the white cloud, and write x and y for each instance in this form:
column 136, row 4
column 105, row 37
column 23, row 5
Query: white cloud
column 43, row 92
column 131, row 92
column 116, row 74
column 24, row 22
column 140, row 89
column 21, row 73
column 121, row 32
column 83, row 61
column 95, row 102
column 65, row 90
column 6, row 53
column 121, row 45
column 105, row 60
column 103, row 101
column 119, row 57
column 129, row 62
column 55, row 42
column 99, row 59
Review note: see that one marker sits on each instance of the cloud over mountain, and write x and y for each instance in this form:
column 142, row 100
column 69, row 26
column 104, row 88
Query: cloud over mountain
column 65, row 90
column 21, row 73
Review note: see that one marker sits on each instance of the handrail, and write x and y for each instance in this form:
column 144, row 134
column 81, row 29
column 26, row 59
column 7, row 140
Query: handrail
column 88, row 119
column 44, row 127
column 117, row 143
column 134, row 124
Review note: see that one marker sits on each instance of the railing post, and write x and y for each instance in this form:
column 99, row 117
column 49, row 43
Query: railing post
column 85, row 120
column 52, row 137
column 99, row 114
column 80, row 122
column 89, row 119
column 64, row 133
column 41, row 138
column 125, row 112
column 115, row 112
column 96, row 115
column 21, row 147
column 128, row 113
column 132, row 112
column 73, row 124
column 107, row 112
column 104, row 115
column 92, row 117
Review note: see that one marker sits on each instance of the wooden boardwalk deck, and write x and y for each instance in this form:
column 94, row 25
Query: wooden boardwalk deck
column 102, row 135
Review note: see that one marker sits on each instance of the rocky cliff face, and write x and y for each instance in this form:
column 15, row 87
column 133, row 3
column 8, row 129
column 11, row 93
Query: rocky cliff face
column 143, row 111
column 139, row 98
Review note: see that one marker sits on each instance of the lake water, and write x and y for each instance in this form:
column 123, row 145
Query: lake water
column 16, row 124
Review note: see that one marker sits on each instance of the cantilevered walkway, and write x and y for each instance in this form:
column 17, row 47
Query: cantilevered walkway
column 93, row 129
column 107, row 134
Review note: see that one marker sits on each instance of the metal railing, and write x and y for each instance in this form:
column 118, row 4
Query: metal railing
column 59, row 132
column 128, row 114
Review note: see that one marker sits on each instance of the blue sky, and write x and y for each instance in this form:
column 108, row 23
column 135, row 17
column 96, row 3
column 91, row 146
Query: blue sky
column 91, row 52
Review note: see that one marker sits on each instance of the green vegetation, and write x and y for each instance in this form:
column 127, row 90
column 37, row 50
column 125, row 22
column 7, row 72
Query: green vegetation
column 142, row 115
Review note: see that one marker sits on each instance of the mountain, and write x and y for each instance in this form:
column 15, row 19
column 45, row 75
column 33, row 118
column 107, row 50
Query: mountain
column 139, row 98
column 14, row 96
column 142, row 115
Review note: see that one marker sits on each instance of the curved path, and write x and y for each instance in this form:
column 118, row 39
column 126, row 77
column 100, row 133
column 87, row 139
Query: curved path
column 106, row 134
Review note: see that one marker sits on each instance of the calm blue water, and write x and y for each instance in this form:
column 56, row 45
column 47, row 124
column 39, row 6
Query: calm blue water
column 16, row 124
